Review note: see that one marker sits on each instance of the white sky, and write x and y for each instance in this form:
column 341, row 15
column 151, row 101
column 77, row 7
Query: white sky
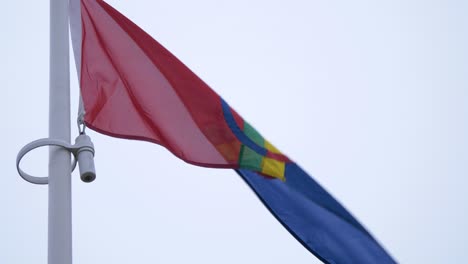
column 369, row 97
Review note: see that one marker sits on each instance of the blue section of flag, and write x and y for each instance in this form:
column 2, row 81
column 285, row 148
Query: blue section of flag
column 315, row 218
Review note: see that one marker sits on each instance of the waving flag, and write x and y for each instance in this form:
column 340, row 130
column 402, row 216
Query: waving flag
column 134, row 88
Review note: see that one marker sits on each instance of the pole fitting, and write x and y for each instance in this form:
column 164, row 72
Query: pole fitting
column 83, row 154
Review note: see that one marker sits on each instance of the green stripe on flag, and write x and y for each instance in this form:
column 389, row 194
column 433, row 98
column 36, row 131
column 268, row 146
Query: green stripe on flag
column 250, row 159
column 253, row 134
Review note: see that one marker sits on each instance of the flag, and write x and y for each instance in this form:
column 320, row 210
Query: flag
column 134, row 88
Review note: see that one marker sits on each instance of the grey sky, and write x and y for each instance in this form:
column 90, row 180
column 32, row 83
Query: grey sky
column 369, row 97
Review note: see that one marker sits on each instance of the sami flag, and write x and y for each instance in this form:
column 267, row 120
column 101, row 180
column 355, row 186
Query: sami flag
column 134, row 88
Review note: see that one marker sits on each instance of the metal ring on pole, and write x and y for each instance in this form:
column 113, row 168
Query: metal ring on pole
column 83, row 143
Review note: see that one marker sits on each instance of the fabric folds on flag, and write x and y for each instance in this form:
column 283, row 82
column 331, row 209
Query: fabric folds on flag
column 134, row 88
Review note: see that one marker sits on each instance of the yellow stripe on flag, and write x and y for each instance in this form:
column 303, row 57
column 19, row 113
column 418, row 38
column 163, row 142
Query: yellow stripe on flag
column 273, row 168
column 271, row 148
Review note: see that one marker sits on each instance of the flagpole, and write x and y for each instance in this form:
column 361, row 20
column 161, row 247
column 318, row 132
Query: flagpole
column 60, row 213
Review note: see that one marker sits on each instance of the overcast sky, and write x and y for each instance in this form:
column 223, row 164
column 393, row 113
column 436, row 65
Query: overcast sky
column 369, row 97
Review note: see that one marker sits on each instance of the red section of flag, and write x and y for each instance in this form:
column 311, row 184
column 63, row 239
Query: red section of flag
column 132, row 87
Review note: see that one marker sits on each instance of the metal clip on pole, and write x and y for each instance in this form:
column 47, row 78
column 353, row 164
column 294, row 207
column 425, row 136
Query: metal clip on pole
column 85, row 157
column 83, row 153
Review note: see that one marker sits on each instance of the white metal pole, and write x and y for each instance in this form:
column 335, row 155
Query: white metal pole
column 60, row 214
